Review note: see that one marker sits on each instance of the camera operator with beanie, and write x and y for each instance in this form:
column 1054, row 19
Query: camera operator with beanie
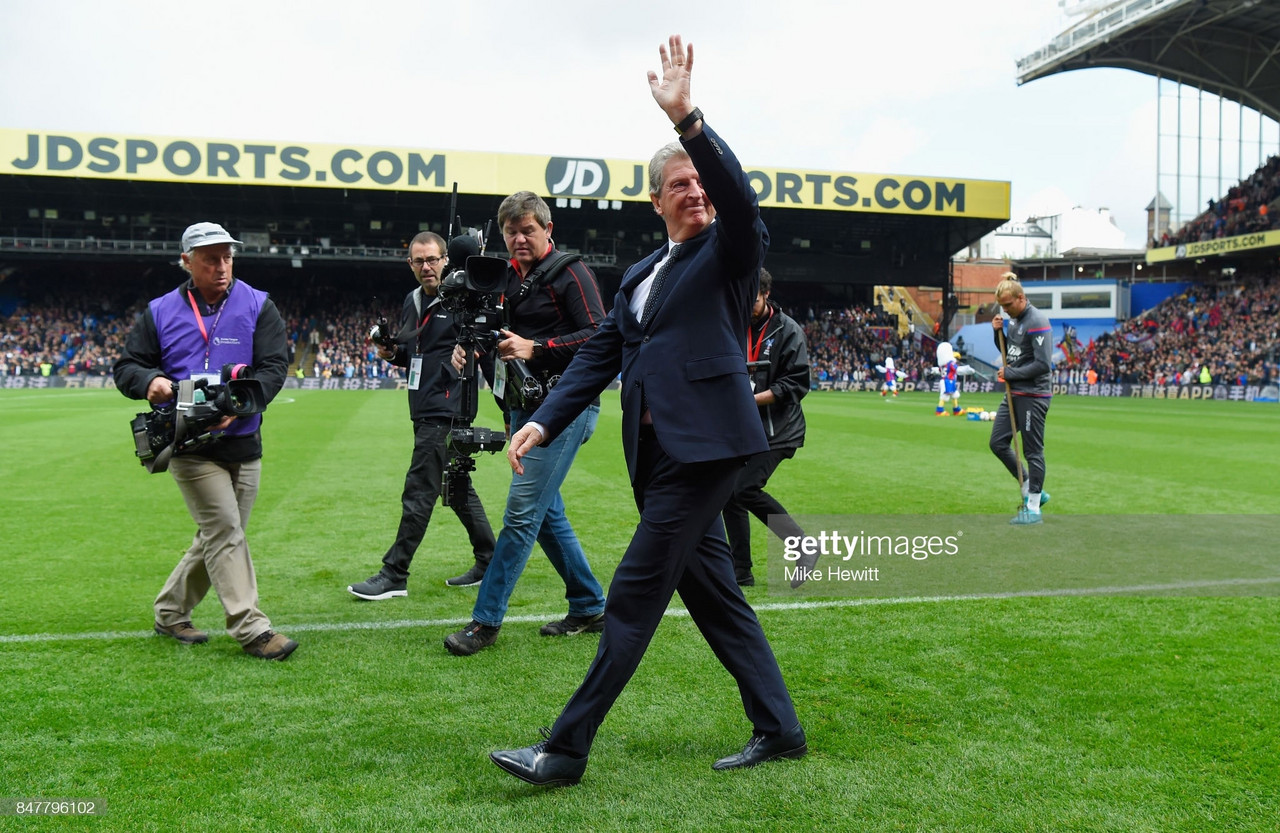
column 428, row 334
column 552, row 305
column 191, row 333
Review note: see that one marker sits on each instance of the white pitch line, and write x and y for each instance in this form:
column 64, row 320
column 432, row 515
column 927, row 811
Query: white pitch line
column 681, row 613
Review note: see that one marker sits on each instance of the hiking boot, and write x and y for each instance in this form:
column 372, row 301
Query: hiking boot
column 270, row 645
column 570, row 625
column 184, row 633
column 470, row 639
column 1026, row 517
column 470, row 578
column 378, row 587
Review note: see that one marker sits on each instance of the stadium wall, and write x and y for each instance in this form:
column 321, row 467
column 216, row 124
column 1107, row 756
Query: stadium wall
column 1241, row 393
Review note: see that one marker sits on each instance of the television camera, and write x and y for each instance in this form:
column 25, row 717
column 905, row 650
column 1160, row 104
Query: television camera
column 474, row 296
column 185, row 425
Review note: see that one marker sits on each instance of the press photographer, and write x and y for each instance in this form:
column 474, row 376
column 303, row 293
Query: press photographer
column 551, row 306
column 423, row 342
column 183, row 340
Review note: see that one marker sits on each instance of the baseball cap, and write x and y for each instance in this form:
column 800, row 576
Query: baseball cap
column 205, row 234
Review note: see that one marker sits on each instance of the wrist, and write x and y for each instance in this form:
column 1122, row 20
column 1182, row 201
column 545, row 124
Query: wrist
column 687, row 121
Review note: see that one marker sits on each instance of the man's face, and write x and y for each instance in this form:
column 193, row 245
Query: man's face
column 681, row 202
column 210, row 270
column 761, row 304
column 1013, row 305
column 526, row 240
column 427, row 262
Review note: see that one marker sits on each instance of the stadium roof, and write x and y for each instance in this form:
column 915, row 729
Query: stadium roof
column 1230, row 48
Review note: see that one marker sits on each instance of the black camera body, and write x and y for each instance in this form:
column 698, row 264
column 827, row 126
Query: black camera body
column 474, row 439
column 473, row 294
column 530, row 387
column 183, row 426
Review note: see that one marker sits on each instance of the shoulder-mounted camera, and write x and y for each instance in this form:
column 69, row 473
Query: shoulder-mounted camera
column 184, row 426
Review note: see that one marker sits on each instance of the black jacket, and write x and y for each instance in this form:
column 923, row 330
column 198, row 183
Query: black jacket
column 779, row 340
column 561, row 314
column 429, row 331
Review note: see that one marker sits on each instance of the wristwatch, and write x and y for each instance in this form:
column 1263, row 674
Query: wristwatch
column 538, row 349
column 688, row 121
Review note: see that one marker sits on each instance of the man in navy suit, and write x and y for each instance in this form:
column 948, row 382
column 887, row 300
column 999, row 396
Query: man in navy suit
column 677, row 336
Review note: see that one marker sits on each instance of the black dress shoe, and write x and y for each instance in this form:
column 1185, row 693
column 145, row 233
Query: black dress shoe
column 535, row 765
column 762, row 747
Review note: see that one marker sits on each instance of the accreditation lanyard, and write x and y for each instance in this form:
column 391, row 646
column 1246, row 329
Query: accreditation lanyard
column 212, row 327
column 415, row 361
column 753, row 347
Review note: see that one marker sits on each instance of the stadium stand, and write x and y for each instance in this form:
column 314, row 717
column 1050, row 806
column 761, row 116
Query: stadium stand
column 1233, row 328
column 1248, row 207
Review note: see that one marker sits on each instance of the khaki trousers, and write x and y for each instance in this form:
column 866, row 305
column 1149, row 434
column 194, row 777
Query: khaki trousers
column 219, row 497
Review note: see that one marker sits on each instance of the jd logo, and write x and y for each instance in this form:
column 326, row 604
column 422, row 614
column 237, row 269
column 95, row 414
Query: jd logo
column 577, row 177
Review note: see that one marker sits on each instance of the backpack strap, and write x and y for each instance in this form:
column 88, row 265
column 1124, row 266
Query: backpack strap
column 546, row 271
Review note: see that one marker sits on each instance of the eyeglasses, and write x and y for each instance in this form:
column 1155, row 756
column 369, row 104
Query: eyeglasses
column 419, row 262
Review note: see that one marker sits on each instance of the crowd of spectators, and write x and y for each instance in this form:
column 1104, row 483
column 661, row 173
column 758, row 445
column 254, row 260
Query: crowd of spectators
column 1225, row 333
column 333, row 340
column 47, row 336
column 846, row 344
column 1245, row 209
column 64, row 335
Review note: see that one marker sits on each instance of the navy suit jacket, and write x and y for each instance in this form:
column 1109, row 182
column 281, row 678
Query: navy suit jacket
column 688, row 366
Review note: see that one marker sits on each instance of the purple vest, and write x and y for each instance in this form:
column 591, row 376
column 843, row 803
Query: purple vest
column 230, row 331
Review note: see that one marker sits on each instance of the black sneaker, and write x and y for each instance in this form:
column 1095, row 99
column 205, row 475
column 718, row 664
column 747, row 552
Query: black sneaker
column 378, row 587
column 470, row 578
column 470, row 639
column 570, row 625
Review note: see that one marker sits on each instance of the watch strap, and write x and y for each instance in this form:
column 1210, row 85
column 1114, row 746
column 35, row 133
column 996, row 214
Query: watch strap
column 688, row 121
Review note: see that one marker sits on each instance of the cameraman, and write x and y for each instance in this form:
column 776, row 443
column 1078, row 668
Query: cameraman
column 550, row 313
column 190, row 333
column 428, row 334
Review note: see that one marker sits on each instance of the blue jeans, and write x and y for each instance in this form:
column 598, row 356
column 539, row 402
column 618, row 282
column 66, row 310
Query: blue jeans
column 535, row 512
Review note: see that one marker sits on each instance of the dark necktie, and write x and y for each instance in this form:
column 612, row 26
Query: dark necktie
column 655, row 288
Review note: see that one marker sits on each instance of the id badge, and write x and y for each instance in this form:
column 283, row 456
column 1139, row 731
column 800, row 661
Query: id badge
column 415, row 371
column 499, row 378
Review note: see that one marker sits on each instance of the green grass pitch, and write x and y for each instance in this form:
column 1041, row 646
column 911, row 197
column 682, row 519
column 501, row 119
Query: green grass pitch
column 1115, row 713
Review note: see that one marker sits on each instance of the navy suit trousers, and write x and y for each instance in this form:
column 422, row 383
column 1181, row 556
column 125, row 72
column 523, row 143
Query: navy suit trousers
column 679, row 546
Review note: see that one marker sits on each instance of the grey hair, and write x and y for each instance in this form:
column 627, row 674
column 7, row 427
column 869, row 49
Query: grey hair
column 521, row 203
column 658, row 164
column 186, row 267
